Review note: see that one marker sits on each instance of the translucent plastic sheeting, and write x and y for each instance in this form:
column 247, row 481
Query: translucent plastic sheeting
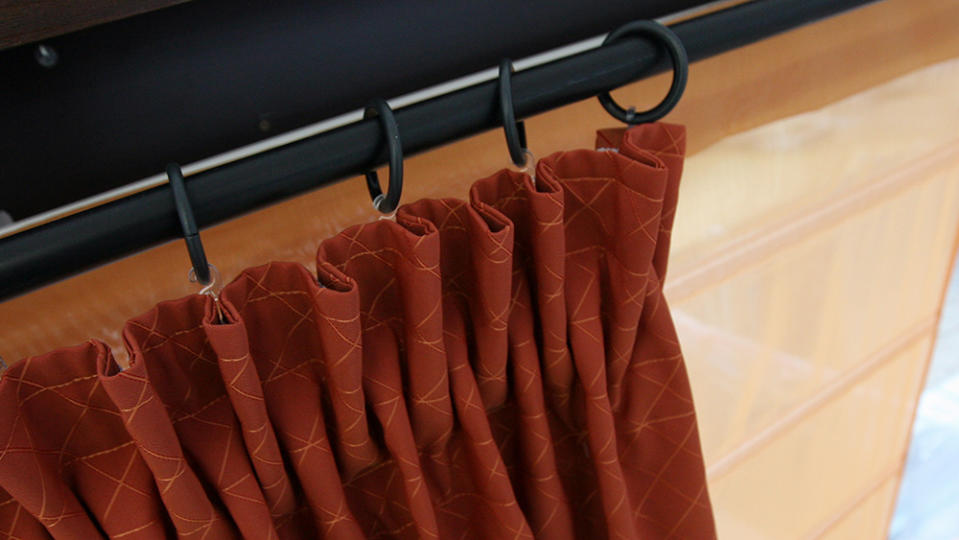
column 808, row 266
column 808, row 476
column 861, row 522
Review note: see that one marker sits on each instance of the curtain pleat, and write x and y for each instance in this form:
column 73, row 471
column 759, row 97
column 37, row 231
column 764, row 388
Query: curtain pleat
column 504, row 367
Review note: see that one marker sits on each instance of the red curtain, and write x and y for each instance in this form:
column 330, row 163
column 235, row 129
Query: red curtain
column 499, row 368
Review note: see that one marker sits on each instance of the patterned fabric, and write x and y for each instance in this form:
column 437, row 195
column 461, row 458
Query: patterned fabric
column 499, row 368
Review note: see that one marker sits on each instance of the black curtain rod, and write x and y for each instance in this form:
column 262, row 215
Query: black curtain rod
column 81, row 241
column 198, row 79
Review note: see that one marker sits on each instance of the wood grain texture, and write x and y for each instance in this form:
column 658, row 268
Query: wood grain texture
column 795, row 72
column 23, row 21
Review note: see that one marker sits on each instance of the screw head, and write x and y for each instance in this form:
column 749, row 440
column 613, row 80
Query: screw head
column 46, row 55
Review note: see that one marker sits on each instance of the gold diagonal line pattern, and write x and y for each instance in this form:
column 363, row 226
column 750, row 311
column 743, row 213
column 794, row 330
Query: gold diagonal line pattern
column 504, row 367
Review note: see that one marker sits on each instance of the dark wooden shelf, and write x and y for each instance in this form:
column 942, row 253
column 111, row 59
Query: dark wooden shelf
column 23, row 21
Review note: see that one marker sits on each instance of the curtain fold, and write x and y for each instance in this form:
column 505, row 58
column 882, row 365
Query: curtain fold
column 504, row 367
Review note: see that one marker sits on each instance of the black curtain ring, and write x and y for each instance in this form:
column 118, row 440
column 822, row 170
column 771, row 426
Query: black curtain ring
column 680, row 72
column 386, row 203
column 191, row 235
column 515, row 131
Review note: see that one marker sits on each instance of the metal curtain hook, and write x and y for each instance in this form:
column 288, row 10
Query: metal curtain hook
column 208, row 288
column 515, row 131
column 386, row 203
column 184, row 211
column 680, row 72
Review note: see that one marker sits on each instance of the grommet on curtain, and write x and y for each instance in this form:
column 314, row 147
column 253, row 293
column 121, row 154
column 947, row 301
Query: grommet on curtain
column 680, row 73
column 386, row 203
column 515, row 131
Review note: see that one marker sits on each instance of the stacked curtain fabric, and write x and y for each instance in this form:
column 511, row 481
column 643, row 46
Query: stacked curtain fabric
column 504, row 367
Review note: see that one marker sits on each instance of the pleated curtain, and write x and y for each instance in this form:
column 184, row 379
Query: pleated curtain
column 503, row 367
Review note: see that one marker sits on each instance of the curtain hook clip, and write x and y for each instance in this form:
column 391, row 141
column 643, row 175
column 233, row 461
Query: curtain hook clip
column 674, row 46
column 386, row 203
column 202, row 271
column 515, row 130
